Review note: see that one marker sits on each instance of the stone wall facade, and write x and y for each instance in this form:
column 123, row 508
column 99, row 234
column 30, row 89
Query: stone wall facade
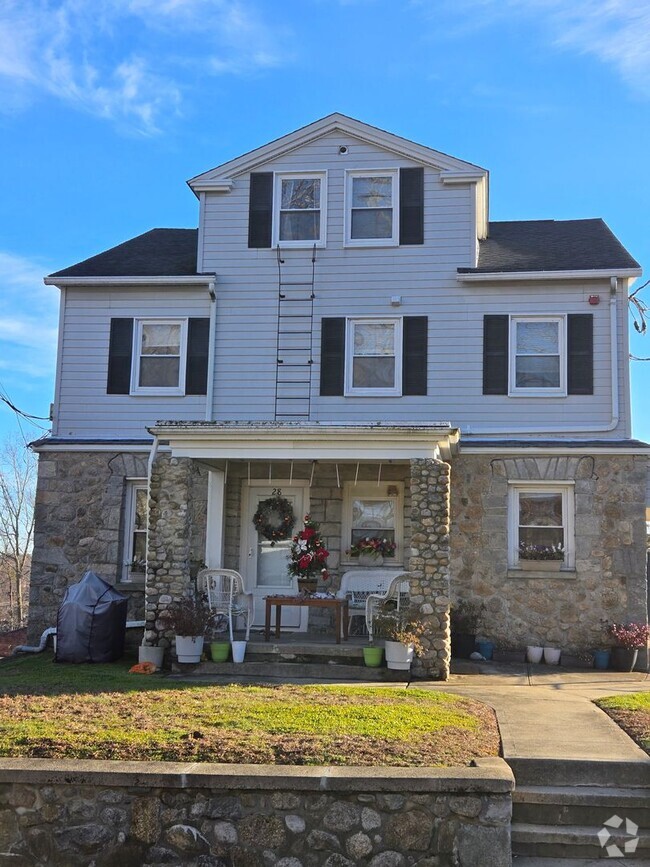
column 130, row 814
column 78, row 526
column 563, row 609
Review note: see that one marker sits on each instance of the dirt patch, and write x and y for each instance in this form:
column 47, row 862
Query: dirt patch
column 9, row 640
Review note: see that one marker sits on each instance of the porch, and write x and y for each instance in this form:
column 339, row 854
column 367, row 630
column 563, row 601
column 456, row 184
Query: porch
column 207, row 486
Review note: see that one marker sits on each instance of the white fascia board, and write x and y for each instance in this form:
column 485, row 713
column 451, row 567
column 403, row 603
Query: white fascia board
column 324, row 126
column 224, row 185
column 336, row 443
column 188, row 280
column 450, row 177
column 122, row 448
column 511, row 276
column 555, row 450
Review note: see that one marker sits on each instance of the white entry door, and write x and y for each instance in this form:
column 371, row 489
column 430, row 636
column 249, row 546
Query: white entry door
column 265, row 564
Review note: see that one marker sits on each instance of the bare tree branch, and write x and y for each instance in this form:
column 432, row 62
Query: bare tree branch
column 17, row 492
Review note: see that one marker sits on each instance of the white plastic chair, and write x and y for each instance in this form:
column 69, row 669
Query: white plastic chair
column 398, row 592
column 227, row 595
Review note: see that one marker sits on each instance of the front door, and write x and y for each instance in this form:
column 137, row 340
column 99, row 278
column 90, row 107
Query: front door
column 265, row 564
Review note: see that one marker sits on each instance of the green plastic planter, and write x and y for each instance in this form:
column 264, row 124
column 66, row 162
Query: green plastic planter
column 220, row 651
column 373, row 656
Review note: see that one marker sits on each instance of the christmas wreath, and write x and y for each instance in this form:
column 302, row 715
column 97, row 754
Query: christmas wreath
column 274, row 518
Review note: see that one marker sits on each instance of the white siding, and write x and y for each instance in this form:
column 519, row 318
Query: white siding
column 85, row 410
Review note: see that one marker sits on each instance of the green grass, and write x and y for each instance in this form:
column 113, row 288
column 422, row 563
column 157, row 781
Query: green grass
column 102, row 711
column 632, row 713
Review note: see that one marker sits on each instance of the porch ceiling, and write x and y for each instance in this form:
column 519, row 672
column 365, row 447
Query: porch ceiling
column 295, row 441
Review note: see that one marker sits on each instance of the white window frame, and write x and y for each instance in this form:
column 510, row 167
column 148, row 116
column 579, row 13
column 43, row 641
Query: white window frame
column 132, row 486
column 372, row 491
column 559, row 391
column 278, row 177
column 351, row 321
column 567, row 490
column 138, row 325
column 350, row 174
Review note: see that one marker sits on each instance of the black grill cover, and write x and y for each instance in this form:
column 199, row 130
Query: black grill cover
column 91, row 622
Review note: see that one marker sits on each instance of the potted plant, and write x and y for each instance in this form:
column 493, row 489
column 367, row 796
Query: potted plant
column 466, row 617
column 190, row 617
column 629, row 638
column 371, row 550
column 308, row 557
column 541, row 558
column 402, row 631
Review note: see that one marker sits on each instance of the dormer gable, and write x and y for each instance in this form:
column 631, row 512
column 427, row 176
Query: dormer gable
column 452, row 170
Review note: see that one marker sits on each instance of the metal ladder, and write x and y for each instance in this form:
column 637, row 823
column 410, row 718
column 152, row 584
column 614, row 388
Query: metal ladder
column 294, row 344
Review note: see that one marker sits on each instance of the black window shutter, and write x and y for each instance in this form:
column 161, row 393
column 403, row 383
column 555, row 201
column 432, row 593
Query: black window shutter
column 580, row 353
column 120, row 353
column 411, row 206
column 332, row 356
column 260, row 209
column 495, row 354
column 196, row 366
column 414, row 354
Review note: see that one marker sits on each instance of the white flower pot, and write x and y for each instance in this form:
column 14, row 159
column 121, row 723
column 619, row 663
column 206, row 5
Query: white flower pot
column 189, row 648
column 552, row 655
column 534, row 654
column 151, row 654
column 238, row 650
column 398, row 656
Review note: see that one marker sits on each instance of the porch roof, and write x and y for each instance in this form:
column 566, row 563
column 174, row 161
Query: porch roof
column 313, row 441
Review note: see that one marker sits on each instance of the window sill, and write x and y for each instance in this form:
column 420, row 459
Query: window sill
column 134, row 584
column 562, row 574
column 538, row 393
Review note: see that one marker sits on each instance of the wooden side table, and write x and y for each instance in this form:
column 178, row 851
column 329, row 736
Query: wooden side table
column 340, row 607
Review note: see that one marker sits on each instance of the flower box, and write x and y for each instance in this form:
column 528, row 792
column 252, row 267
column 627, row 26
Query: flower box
column 541, row 565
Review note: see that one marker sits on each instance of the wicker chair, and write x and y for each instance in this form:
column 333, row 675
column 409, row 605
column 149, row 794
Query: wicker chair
column 227, row 595
column 398, row 592
column 358, row 584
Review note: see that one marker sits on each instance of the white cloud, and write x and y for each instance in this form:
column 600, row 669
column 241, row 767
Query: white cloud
column 126, row 60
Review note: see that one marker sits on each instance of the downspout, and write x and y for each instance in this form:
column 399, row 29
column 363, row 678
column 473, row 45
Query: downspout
column 613, row 348
column 209, row 397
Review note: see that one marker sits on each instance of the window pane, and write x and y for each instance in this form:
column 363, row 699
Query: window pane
column 373, row 514
column 161, row 339
column 373, row 372
column 541, row 509
column 139, row 546
column 538, row 337
column 541, row 371
column 159, row 372
column 546, row 536
column 300, row 193
column 372, row 192
column 358, row 535
column 374, row 339
column 300, row 226
column 140, row 509
column 375, row 223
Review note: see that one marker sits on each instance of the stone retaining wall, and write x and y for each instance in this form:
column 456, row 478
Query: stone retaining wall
column 134, row 814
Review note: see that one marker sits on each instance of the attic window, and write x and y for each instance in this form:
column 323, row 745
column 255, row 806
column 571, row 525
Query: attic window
column 299, row 217
column 370, row 212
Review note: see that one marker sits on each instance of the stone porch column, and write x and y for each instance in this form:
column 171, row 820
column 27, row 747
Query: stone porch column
column 429, row 562
column 168, row 548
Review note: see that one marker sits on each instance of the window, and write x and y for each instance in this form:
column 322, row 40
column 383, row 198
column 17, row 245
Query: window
column 160, row 350
column 373, row 357
column 374, row 511
column 299, row 218
column 537, row 358
column 370, row 212
column 135, row 530
column 541, row 524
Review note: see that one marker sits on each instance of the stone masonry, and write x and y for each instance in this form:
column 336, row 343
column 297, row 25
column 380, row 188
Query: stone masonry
column 66, row 813
column 79, row 506
column 562, row 609
column 429, row 562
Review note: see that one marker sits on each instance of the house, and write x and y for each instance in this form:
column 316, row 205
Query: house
column 347, row 330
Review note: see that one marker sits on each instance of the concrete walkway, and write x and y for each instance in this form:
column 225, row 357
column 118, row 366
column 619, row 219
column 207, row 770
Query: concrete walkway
column 546, row 712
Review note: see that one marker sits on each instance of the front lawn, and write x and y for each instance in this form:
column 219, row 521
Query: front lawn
column 632, row 713
column 103, row 712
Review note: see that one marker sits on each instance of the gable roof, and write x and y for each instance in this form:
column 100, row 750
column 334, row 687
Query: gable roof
column 550, row 245
column 336, row 122
column 156, row 253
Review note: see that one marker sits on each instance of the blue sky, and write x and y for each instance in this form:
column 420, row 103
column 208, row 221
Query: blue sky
column 108, row 106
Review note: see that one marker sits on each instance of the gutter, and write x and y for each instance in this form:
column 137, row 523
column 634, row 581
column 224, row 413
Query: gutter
column 510, row 276
column 187, row 280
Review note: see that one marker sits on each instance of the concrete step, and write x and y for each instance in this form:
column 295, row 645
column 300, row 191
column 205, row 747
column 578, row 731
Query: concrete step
column 579, row 805
column 579, row 772
column 291, row 671
column 574, row 841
